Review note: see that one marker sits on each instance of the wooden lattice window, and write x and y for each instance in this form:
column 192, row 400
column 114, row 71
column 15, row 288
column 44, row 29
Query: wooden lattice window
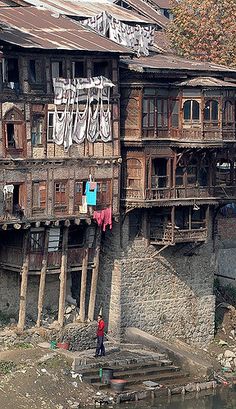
column 104, row 192
column 60, row 193
column 39, row 191
column 211, row 111
column 133, row 173
column 191, row 110
column 14, row 130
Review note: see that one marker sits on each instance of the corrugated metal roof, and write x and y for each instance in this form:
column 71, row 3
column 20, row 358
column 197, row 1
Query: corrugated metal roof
column 162, row 41
column 81, row 9
column 172, row 62
column 30, row 27
column 163, row 4
column 207, row 82
column 148, row 11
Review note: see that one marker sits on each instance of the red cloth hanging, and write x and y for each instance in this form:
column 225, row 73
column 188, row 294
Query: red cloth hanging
column 103, row 218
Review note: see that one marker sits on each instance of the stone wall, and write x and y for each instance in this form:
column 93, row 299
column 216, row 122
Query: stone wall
column 10, row 292
column 169, row 294
column 225, row 247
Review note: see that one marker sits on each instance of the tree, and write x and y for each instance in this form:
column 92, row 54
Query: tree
column 205, row 30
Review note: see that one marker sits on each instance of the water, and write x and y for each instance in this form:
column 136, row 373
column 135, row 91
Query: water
column 222, row 399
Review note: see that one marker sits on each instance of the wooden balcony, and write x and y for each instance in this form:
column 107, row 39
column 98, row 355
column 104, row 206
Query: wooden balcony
column 208, row 132
column 190, row 192
column 11, row 258
column 167, row 236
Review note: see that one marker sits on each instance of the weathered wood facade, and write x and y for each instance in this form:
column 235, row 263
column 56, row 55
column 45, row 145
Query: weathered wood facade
column 178, row 146
column 43, row 184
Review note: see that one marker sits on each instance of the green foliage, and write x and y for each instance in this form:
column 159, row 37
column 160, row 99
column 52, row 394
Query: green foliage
column 205, row 30
column 6, row 367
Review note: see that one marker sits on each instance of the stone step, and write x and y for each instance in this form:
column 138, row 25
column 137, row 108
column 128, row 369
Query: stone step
column 162, row 378
column 82, row 363
column 129, row 367
column 130, row 374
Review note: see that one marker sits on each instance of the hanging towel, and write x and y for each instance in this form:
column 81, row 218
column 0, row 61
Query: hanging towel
column 103, row 218
column 91, row 195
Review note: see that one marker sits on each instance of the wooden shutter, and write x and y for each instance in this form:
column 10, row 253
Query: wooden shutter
column 42, row 195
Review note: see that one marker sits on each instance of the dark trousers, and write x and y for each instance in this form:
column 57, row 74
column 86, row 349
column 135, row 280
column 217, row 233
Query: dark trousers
column 100, row 346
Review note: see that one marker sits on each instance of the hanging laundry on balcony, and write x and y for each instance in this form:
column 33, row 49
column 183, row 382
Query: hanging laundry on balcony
column 103, row 218
column 91, row 193
column 139, row 38
column 84, row 114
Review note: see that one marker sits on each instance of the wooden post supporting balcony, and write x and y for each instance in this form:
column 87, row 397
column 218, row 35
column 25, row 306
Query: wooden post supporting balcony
column 43, row 277
column 172, row 224
column 24, row 281
column 63, row 276
column 93, row 290
column 83, row 284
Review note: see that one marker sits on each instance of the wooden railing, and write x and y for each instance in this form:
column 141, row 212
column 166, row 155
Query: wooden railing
column 209, row 132
column 178, row 235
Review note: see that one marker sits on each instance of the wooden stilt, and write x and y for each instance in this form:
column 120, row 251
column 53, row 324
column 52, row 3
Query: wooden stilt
column 93, row 290
column 83, row 284
column 63, row 276
column 43, row 277
column 24, row 281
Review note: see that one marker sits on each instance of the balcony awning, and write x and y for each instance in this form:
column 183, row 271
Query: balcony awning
column 210, row 82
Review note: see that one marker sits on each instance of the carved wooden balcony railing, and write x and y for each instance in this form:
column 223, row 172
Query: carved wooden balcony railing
column 165, row 236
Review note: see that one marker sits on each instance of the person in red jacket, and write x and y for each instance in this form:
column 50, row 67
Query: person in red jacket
column 100, row 349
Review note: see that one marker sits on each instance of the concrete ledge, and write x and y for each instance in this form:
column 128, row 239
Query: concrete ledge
column 195, row 361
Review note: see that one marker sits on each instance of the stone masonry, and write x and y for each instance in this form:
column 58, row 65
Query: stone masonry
column 169, row 294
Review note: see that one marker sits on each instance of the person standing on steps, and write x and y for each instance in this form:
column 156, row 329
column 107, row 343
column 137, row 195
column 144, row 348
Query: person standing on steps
column 100, row 349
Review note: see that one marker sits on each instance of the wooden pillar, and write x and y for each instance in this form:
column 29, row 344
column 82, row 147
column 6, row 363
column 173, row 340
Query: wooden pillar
column 63, row 276
column 94, row 281
column 24, row 280
column 190, row 218
column 43, row 277
column 83, row 284
column 173, row 224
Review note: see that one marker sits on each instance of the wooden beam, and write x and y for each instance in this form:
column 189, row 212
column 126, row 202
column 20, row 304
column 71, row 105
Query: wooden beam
column 83, row 284
column 43, row 277
column 93, row 291
column 63, row 276
column 24, row 280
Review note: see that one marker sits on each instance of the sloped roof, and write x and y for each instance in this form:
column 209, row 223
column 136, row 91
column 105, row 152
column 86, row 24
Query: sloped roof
column 207, row 82
column 80, row 9
column 172, row 62
column 30, row 27
column 141, row 7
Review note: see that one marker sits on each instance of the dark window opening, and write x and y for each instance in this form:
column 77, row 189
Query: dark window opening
column 12, row 71
column 10, row 136
column 175, row 114
column 35, row 71
column 77, row 69
column 228, row 113
column 101, row 68
column 135, row 224
column 76, row 236
column 159, row 173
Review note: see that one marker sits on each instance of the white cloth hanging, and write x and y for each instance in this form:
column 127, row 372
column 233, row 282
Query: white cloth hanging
column 105, row 120
column 93, row 121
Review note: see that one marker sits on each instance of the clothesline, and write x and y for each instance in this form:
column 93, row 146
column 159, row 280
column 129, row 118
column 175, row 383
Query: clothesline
column 137, row 37
column 92, row 121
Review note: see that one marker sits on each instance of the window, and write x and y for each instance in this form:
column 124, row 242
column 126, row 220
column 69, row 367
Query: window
column 39, row 191
column 37, row 241
column 179, row 178
column 77, row 69
column 37, row 129
column 57, row 69
column 228, row 113
column 155, row 112
column 148, row 112
column 76, row 236
column 14, row 128
column 50, row 125
column 191, row 111
column 175, row 113
column 11, row 72
column 79, row 190
column 133, row 174
column 104, row 192
column 60, row 194
column 211, row 111
column 35, row 72
column 101, row 68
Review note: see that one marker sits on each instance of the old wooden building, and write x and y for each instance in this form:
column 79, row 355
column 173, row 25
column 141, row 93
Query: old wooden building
column 59, row 159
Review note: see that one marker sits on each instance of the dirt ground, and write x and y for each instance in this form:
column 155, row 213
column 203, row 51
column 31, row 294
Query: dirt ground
column 35, row 378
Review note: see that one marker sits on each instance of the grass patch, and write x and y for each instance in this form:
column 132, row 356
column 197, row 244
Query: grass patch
column 6, row 367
